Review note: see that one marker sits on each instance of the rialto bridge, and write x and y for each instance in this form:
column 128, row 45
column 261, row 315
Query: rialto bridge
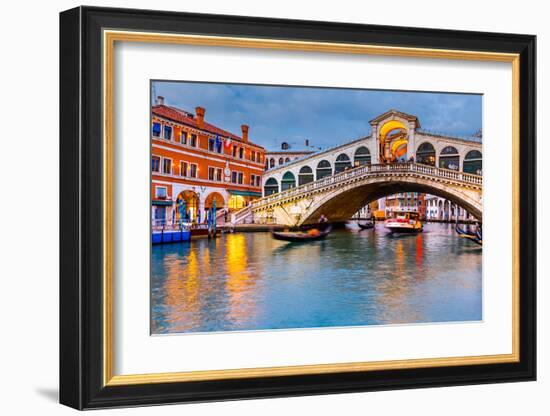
column 396, row 157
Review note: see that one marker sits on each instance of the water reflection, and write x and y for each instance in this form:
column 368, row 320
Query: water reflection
column 250, row 281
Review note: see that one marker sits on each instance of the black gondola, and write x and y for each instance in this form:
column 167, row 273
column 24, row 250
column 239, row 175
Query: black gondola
column 366, row 226
column 473, row 236
column 300, row 236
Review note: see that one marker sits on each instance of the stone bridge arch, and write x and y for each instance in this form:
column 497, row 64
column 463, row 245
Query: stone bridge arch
column 340, row 203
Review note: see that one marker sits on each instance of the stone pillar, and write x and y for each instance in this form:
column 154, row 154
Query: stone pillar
column 411, row 145
column 375, row 154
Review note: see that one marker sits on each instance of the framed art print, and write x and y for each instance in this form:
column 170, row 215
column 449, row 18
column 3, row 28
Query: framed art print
column 260, row 207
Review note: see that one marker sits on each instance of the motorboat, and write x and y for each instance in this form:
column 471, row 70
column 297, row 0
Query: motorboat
column 403, row 222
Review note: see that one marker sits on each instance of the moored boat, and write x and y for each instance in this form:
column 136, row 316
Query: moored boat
column 403, row 222
column 472, row 236
column 366, row 226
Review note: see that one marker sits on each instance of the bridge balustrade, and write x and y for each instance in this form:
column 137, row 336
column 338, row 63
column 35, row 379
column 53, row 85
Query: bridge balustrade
column 371, row 169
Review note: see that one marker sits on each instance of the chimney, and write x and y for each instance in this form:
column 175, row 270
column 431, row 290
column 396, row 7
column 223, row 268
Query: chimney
column 200, row 116
column 244, row 129
column 160, row 100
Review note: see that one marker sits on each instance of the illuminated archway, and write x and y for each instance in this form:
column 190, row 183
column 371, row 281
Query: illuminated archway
column 214, row 196
column 236, row 202
column 392, row 141
column 187, row 204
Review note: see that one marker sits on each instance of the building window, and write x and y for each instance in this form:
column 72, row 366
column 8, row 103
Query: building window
column 219, row 174
column 473, row 162
column 193, row 169
column 167, row 133
column 281, row 161
column 211, row 144
column 271, row 187
column 253, row 156
column 156, row 129
column 183, row 168
column 362, row 156
column 240, row 178
column 155, row 164
column 160, row 192
column 241, row 153
column 449, row 158
column 234, row 151
column 167, row 166
column 271, row 163
column 234, row 177
column 258, row 178
column 252, row 180
column 193, row 140
column 183, row 137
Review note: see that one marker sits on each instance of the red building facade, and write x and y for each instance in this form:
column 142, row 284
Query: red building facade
column 200, row 164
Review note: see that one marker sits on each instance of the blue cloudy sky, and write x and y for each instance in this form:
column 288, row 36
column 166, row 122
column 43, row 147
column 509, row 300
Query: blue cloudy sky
column 326, row 116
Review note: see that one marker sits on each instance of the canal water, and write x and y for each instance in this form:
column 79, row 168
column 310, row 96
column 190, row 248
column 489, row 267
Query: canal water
column 249, row 281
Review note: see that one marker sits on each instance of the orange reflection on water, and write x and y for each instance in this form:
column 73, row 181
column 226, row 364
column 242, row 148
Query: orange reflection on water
column 182, row 292
column 239, row 282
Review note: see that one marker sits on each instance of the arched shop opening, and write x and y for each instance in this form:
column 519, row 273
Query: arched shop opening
column 426, row 154
column 305, row 175
column 271, row 187
column 362, row 156
column 324, row 169
column 214, row 197
column 473, row 162
column 187, row 206
column 236, row 202
column 449, row 158
column 288, row 181
column 342, row 163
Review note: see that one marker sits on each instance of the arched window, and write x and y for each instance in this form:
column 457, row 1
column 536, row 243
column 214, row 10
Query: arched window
column 426, row 154
column 288, row 181
column 305, row 175
column 287, row 160
column 473, row 162
column 342, row 163
column 271, row 187
column 362, row 156
column 271, row 162
column 323, row 169
column 281, row 161
column 449, row 158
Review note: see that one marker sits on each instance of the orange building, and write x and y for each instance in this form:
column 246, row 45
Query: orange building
column 198, row 163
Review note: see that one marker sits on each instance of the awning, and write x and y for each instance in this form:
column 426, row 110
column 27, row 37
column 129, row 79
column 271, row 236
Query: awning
column 245, row 193
column 161, row 202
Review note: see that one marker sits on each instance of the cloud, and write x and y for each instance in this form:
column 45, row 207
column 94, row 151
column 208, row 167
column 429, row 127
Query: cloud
column 326, row 116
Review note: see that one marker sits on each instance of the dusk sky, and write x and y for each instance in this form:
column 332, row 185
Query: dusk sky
column 325, row 116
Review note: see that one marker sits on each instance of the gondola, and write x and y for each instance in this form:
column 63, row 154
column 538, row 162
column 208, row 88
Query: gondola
column 475, row 236
column 366, row 226
column 299, row 236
